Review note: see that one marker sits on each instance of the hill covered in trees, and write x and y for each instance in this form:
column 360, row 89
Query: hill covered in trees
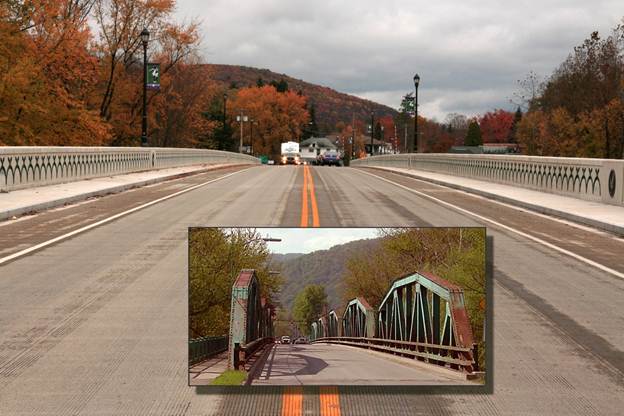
column 330, row 106
column 324, row 267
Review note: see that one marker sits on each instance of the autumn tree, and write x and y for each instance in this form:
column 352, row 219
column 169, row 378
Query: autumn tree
column 120, row 23
column 48, row 69
column 279, row 116
column 496, row 126
column 457, row 127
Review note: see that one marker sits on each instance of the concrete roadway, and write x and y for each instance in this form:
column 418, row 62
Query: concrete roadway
column 326, row 364
column 97, row 324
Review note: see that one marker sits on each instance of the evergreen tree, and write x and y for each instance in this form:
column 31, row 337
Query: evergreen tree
column 312, row 129
column 378, row 131
column 473, row 137
column 281, row 86
column 260, row 82
column 514, row 126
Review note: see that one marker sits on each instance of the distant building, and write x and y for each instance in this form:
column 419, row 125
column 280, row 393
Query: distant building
column 311, row 148
column 379, row 147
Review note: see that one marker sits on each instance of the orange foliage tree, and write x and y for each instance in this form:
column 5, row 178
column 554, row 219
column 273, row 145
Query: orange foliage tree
column 278, row 117
column 47, row 72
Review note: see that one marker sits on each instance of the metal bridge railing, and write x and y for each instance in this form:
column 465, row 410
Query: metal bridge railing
column 205, row 347
column 244, row 353
column 442, row 355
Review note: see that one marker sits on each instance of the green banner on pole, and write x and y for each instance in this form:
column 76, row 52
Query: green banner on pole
column 153, row 76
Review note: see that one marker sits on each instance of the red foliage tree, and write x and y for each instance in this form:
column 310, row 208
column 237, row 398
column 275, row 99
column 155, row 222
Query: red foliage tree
column 496, row 126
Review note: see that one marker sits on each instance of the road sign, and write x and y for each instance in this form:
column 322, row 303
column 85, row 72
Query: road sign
column 153, row 76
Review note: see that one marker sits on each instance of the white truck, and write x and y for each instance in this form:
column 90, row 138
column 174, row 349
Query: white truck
column 290, row 153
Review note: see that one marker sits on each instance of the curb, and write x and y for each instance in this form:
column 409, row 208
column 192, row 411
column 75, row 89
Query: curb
column 31, row 209
column 603, row 226
column 258, row 365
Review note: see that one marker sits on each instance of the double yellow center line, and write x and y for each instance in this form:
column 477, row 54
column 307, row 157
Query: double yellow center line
column 292, row 401
column 308, row 187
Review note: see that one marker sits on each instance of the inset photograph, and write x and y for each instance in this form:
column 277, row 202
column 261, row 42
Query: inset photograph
column 337, row 306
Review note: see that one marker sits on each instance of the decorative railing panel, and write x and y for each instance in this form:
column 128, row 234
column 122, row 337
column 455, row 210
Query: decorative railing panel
column 590, row 179
column 25, row 167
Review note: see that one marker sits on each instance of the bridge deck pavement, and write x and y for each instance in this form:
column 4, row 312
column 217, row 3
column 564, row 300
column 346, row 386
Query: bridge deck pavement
column 331, row 364
column 595, row 214
column 24, row 201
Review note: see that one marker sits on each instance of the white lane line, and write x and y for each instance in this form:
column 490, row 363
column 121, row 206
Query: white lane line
column 505, row 227
column 109, row 219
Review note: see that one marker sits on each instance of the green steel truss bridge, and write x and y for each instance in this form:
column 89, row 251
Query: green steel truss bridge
column 421, row 316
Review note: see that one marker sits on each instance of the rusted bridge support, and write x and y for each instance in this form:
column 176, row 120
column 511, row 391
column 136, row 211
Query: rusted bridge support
column 251, row 318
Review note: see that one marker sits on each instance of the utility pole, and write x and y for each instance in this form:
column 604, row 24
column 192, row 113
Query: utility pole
column 352, row 135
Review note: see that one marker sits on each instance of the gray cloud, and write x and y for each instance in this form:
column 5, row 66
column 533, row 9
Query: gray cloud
column 468, row 53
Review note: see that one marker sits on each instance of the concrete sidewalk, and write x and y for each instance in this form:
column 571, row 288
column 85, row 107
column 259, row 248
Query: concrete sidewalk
column 29, row 200
column 594, row 214
column 202, row 374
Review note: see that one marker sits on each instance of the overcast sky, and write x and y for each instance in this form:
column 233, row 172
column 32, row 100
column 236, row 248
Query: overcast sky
column 469, row 54
column 307, row 240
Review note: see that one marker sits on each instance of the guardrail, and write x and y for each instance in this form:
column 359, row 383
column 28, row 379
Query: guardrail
column 600, row 180
column 25, row 166
column 244, row 353
column 205, row 347
column 441, row 355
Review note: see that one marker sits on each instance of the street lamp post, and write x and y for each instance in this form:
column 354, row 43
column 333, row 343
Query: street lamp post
column 415, row 141
column 251, row 142
column 372, row 132
column 242, row 118
column 144, row 38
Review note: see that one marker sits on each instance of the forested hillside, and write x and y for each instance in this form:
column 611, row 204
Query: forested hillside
column 330, row 106
column 325, row 267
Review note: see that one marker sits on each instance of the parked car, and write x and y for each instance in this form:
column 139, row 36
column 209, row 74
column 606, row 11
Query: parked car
column 285, row 339
column 330, row 157
column 301, row 340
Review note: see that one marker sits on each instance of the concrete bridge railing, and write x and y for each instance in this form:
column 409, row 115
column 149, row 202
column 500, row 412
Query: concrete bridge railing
column 26, row 167
column 600, row 180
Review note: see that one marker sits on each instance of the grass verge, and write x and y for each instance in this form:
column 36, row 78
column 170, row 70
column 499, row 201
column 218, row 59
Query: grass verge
column 230, row 378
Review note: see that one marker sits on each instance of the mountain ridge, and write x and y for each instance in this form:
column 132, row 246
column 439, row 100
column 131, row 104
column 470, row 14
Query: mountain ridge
column 331, row 106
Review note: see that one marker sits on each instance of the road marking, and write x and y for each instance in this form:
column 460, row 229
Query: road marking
column 506, row 227
column 315, row 214
column 109, row 219
column 308, row 186
column 304, row 200
column 292, row 401
column 330, row 402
